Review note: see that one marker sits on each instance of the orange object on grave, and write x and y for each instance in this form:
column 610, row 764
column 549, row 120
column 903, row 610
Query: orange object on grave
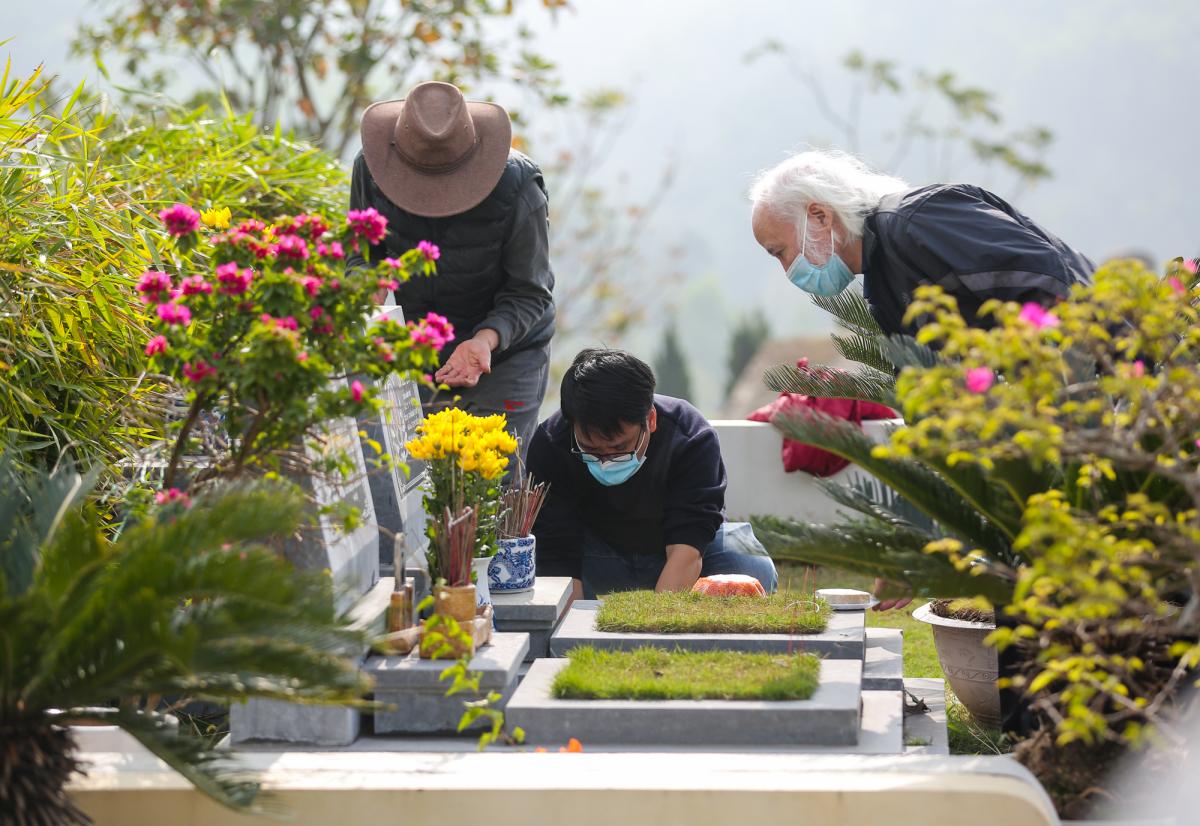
column 729, row 585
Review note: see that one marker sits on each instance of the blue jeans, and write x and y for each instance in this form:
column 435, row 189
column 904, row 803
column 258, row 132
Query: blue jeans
column 734, row 550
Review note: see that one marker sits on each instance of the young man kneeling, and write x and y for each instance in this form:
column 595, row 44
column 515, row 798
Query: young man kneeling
column 637, row 487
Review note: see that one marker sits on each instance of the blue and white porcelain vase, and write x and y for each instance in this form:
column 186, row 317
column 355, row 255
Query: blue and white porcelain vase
column 513, row 566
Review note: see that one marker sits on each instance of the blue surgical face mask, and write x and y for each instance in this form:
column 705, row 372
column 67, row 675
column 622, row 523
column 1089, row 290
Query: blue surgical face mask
column 828, row 279
column 614, row 472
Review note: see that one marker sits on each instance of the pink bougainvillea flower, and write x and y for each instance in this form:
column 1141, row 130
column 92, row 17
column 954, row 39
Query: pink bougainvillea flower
column 434, row 330
column 311, row 284
column 980, row 379
column 441, row 324
column 331, row 250
column 180, row 219
column 389, row 284
column 429, row 250
column 368, row 224
column 356, row 391
column 323, row 329
column 171, row 495
column 198, row 371
column 302, row 356
column 156, row 345
column 292, row 246
column 288, row 322
column 1036, row 315
column 1177, row 286
column 251, row 225
column 1139, row 369
column 196, row 285
column 233, row 279
column 316, row 312
column 394, row 263
column 152, row 285
column 175, row 314
column 1192, row 265
column 313, row 226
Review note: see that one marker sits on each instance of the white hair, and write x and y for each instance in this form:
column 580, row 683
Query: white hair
column 833, row 178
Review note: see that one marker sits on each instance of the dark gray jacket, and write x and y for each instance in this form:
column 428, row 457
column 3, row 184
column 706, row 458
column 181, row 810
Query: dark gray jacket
column 494, row 270
column 968, row 241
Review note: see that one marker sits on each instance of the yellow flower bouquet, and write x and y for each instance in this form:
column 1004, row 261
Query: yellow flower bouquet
column 467, row 456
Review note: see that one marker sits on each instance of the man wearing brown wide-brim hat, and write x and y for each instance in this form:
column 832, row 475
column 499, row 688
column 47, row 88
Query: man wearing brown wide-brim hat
column 441, row 169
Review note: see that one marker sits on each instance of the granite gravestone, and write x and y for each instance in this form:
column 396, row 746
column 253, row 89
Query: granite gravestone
column 352, row 559
column 397, row 492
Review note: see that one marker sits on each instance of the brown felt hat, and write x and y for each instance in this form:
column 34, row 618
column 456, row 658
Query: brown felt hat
column 434, row 153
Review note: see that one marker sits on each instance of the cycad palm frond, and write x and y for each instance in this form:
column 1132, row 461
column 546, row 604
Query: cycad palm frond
column 191, row 603
column 851, row 312
column 863, row 350
column 866, row 384
column 927, row 490
column 876, row 549
column 904, row 351
column 877, row 501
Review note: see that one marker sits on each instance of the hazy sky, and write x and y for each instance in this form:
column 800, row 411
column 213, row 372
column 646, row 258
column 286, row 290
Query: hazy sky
column 1115, row 82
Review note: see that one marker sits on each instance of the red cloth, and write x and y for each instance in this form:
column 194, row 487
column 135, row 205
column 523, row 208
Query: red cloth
column 799, row 456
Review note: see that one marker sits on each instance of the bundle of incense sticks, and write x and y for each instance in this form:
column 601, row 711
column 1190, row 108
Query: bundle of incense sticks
column 521, row 505
column 455, row 537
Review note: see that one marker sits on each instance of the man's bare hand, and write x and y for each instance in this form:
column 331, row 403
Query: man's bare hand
column 471, row 360
column 882, row 586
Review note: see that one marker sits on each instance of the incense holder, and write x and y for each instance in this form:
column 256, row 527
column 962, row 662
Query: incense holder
column 512, row 568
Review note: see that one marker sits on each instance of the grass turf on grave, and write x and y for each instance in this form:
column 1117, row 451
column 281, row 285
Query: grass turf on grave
column 657, row 674
column 632, row 612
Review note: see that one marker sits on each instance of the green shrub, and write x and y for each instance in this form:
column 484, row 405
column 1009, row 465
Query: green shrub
column 79, row 194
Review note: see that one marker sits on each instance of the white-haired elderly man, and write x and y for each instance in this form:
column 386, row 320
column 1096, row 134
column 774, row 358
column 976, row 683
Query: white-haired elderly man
column 825, row 216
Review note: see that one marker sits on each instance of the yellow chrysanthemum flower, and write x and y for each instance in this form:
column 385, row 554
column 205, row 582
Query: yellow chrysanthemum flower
column 217, row 218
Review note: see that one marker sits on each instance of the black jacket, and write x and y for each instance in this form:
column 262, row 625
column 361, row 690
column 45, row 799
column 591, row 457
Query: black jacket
column 676, row 498
column 494, row 269
column 968, row 241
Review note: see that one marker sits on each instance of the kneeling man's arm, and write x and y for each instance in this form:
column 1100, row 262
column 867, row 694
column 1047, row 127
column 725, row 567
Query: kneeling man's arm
column 694, row 508
column 682, row 569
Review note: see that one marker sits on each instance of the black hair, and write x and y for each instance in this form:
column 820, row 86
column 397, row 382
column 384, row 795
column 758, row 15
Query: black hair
column 603, row 390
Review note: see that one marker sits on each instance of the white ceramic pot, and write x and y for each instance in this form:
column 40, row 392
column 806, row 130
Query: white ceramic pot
column 513, row 566
column 970, row 666
column 483, row 594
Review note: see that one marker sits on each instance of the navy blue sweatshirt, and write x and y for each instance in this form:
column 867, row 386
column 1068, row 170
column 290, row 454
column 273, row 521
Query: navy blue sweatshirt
column 676, row 498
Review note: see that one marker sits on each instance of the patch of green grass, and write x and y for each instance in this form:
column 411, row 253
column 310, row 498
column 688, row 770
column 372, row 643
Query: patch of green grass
column 967, row 735
column 686, row 612
column 657, row 674
column 920, row 657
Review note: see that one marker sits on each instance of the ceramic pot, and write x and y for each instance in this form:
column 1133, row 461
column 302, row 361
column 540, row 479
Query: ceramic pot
column 513, row 566
column 455, row 601
column 479, row 565
column 970, row 666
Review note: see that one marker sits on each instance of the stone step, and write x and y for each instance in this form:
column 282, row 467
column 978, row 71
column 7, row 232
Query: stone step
column 279, row 721
column 844, row 638
column 417, row 698
column 535, row 612
column 831, row 717
column 927, row 733
column 883, row 667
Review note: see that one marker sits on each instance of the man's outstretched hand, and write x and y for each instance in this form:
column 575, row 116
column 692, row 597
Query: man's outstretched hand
column 469, row 361
column 882, row 586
